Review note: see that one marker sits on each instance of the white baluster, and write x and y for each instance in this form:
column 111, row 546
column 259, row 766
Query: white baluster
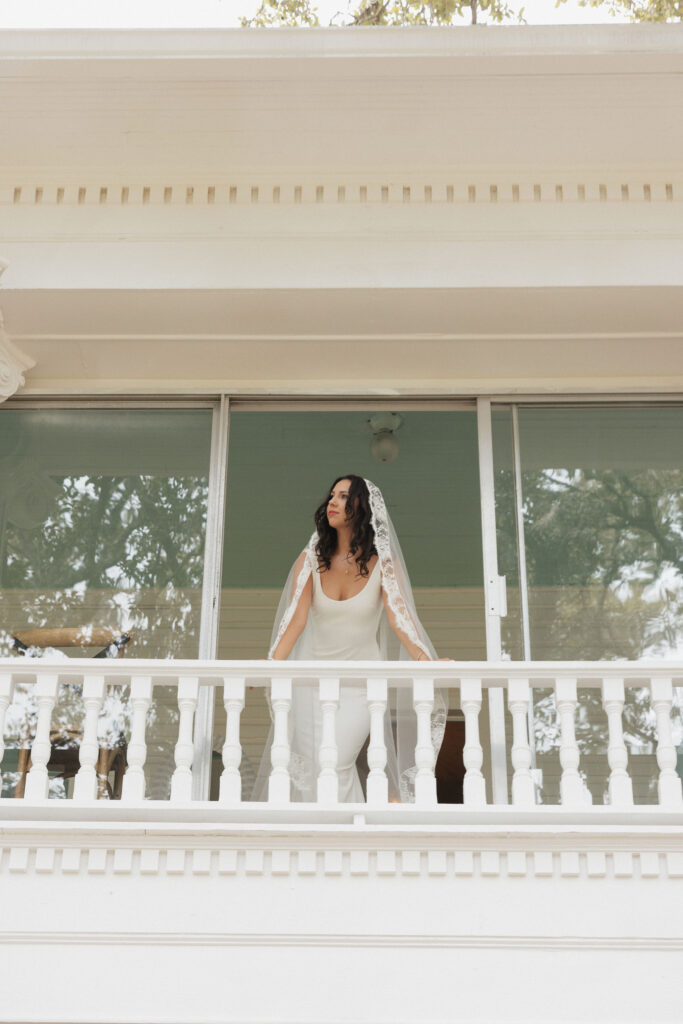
column 134, row 779
column 669, row 784
column 85, row 783
column 328, row 782
column 474, row 786
column 181, row 782
column 425, row 782
column 620, row 785
column 281, row 701
column 231, row 780
column 572, row 790
column 37, row 781
column 6, row 691
column 377, row 785
column 523, row 791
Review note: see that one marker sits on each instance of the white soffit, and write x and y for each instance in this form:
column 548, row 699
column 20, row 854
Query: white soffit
column 304, row 102
column 311, row 314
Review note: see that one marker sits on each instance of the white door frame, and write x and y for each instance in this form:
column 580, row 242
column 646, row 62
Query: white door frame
column 494, row 599
column 211, row 595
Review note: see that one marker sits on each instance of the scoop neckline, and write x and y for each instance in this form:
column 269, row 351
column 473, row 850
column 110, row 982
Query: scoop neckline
column 345, row 600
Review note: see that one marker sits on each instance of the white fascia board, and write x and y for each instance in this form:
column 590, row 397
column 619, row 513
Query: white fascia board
column 632, row 42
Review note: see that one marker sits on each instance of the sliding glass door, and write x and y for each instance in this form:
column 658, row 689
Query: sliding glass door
column 589, row 516
column 102, row 523
column 280, row 466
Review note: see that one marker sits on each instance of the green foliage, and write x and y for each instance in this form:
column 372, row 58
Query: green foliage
column 133, row 543
column 638, row 10
column 282, row 13
column 603, row 551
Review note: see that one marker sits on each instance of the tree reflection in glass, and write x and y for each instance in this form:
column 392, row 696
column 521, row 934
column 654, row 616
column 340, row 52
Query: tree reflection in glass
column 602, row 494
column 103, row 521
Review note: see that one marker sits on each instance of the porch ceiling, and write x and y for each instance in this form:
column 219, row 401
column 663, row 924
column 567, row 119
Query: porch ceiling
column 434, row 340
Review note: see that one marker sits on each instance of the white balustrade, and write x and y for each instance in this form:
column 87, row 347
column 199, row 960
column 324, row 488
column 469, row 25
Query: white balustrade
column 669, row 784
column 281, row 702
column 231, row 781
column 6, row 691
column 519, row 682
column 474, row 785
column 523, row 790
column 37, row 782
column 425, row 781
column 134, row 779
column 328, row 781
column 620, row 787
column 85, row 783
column 377, row 785
column 572, row 790
column 181, row 782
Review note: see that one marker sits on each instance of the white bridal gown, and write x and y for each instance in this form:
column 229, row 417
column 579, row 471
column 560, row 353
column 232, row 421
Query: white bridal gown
column 340, row 631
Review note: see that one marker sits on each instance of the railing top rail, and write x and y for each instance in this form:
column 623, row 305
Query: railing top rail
column 259, row 673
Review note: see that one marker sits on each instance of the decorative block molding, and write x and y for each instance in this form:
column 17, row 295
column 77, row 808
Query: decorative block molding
column 440, row 865
column 482, row 192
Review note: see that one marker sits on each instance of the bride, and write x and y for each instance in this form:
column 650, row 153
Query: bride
column 348, row 598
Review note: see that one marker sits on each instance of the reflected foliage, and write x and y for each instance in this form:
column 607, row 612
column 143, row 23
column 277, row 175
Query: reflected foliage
column 118, row 551
column 135, row 544
column 604, row 553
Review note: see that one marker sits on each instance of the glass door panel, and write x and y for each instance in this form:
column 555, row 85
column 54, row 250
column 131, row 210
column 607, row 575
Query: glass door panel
column 280, row 465
column 102, row 521
column 601, row 495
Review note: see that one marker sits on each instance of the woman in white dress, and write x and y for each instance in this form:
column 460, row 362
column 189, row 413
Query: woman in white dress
column 347, row 596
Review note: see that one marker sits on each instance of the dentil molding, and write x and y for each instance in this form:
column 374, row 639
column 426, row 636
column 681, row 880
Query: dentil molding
column 559, row 190
column 323, row 862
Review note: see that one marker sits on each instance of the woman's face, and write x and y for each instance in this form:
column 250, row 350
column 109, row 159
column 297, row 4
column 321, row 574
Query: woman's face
column 336, row 505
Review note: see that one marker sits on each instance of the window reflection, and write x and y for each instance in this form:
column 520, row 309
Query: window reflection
column 602, row 497
column 102, row 521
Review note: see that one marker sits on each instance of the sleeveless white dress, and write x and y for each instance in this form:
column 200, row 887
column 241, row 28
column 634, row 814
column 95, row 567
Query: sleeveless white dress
column 340, row 631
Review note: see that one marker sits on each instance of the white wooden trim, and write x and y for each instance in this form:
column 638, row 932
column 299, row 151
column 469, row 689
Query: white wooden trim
column 211, row 594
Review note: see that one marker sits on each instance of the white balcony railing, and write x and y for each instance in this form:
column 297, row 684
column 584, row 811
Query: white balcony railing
column 471, row 679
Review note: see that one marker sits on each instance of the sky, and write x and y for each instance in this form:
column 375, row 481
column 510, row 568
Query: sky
column 225, row 13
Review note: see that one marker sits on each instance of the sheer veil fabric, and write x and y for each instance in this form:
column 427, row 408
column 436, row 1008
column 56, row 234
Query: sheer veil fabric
column 400, row 719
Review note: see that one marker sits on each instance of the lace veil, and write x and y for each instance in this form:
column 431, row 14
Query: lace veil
column 400, row 723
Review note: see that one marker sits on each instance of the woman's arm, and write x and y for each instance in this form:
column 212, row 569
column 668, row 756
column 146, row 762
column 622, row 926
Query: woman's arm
column 414, row 650
column 300, row 617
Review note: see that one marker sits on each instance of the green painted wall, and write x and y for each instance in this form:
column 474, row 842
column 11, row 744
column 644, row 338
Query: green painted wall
column 281, row 464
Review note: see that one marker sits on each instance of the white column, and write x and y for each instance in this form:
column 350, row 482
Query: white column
column 6, row 690
column 669, row 784
column 474, row 786
column 134, row 779
column 328, row 781
column 37, row 781
column 231, row 780
column 377, row 785
column 425, row 781
column 181, row 782
column 620, row 785
column 281, row 701
column 572, row 789
column 523, row 791
column 85, row 783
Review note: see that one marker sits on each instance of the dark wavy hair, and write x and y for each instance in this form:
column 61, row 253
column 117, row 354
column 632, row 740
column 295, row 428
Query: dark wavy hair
column 362, row 536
